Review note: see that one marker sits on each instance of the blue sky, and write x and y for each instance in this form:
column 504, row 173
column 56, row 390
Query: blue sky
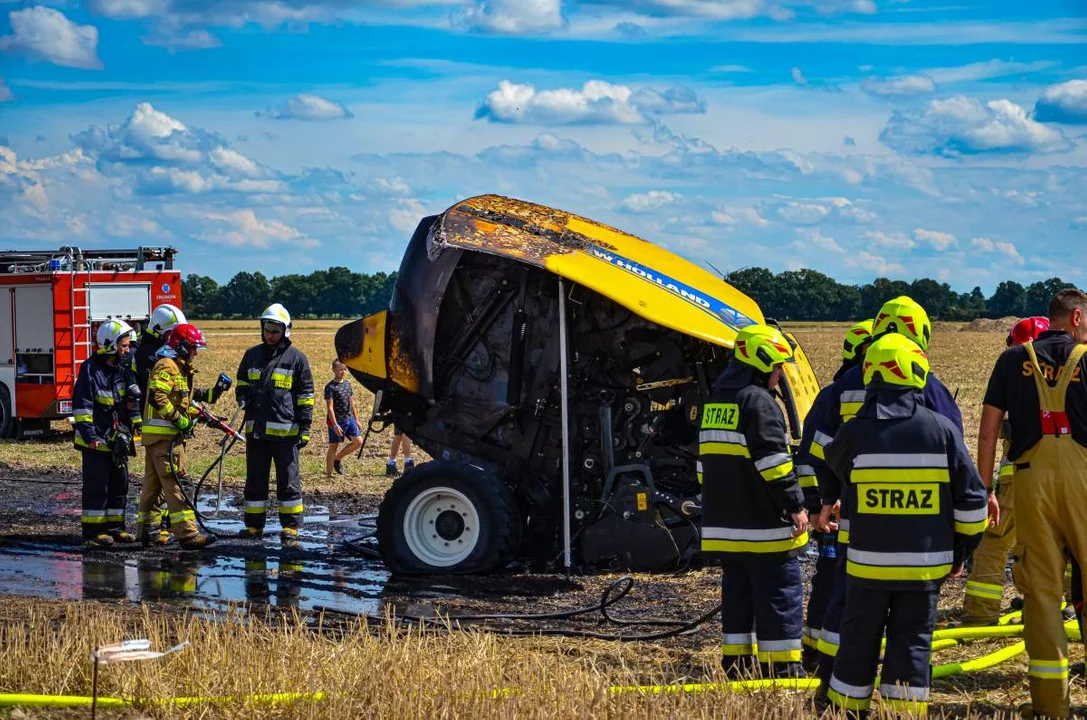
column 861, row 138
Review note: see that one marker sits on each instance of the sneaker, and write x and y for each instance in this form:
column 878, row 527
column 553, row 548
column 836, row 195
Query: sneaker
column 197, row 542
column 123, row 538
column 408, row 464
column 250, row 533
column 338, row 467
column 390, row 468
column 288, row 539
column 102, row 540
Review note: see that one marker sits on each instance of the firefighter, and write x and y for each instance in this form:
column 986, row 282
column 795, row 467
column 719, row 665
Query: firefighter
column 919, row 509
column 106, row 418
column 276, row 388
column 985, row 584
column 899, row 315
column 808, row 469
column 163, row 319
column 1042, row 388
column 170, row 419
column 754, row 510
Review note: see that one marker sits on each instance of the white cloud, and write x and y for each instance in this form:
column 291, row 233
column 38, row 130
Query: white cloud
column 514, row 17
column 731, row 215
column 960, row 125
column 901, row 86
column 870, row 262
column 597, row 102
column 729, row 69
column 986, row 70
column 242, row 228
column 813, row 238
column 1007, row 249
column 130, row 226
column 803, row 213
column 307, row 106
column 648, row 201
column 938, row 239
column 889, row 240
column 46, row 34
column 813, row 212
column 5, row 92
column 798, row 76
column 1063, row 103
column 406, row 215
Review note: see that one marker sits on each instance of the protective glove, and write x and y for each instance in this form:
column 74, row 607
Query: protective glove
column 185, row 424
column 303, row 441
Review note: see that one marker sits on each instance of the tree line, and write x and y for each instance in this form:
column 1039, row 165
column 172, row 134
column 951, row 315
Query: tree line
column 811, row 295
column 791, row 295
column 334, row 293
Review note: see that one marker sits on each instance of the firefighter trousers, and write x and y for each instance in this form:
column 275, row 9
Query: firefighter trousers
column 762, row 610
column 822, row 585
column 1050, row 497
column 829, row 637
column 260, row 454
column 159, row 482
column 105, row 492
column 908, row 617
column 985, row 585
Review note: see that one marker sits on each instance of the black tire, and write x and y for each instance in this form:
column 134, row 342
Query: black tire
column 409, row 549
column 7, row 419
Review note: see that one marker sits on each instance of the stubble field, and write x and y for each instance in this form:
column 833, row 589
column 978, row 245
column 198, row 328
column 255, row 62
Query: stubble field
column 369, row 671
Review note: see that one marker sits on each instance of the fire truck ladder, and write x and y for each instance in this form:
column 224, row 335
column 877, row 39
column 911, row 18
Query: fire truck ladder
column 80, row 329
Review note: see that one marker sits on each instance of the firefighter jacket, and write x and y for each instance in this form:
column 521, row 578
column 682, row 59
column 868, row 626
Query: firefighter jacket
column 169, row 388
column 276, row 386
column 846, row 397
column 143, row 359
column 749, row 486
column 809, row 467
column 100, row 403
column 919, row 506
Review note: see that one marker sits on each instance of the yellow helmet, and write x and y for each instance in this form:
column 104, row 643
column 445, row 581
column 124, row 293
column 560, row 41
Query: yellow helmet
column 904, row 316
column 896, row 360
column 856, row 336
column 762, row 347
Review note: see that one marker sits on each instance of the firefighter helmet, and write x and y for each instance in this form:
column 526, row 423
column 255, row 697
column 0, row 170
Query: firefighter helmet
column 762, row 347
column 276, row 313
column 896, row 360
column 185, row 339
column 904, row 316
column 164, row 318
column 1027, row 329
column 856, row 337
column 110, row 333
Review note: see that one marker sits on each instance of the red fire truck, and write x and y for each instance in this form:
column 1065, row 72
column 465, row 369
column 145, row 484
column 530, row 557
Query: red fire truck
column 51, row 303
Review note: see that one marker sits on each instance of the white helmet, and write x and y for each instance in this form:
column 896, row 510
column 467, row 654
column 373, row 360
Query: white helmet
column 164, row 318
column 278, row 314
column 110, row 333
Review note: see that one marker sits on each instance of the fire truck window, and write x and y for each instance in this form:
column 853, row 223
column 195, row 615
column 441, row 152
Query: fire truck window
column 34, row 368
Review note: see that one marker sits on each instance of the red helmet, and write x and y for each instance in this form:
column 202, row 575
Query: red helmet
column 186, row 338
column 1027, row 329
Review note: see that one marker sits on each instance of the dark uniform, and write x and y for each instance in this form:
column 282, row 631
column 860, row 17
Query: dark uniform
column 143, row 358
column 846, row 397
column 749, row 490
column 103, row 411
column 919, row 510
column 1043, row 388
column 276, row 386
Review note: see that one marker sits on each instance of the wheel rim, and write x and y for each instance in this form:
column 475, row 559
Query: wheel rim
column 441, row 526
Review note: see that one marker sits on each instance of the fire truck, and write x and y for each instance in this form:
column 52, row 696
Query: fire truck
column 51, row 304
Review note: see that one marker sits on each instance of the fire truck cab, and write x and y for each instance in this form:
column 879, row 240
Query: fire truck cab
column 51, row 303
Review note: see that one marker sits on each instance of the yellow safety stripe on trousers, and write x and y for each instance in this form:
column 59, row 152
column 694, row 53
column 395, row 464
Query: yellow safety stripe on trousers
column 290, row 508
column 186, row 584
column 811, row 637
column 900, row 475
column 115, row 515
column 910, row 708
column 828, row 642
column 986, row 591
column 779, row 651
column 848, row 703
column 738, row 649
column 94, row 517
column 1049, row 669
column 256, row 507
column 819, row 443
column 774, row 467
column 149, row 517
column 182, row 516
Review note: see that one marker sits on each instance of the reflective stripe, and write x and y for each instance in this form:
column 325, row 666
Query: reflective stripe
column 304, row 399
column 850, row 697
column 772, row 461
column 249, row 426
column 102, row 448
column 115, row 515
column 769, row 656
column 900, row 475
column 254, row 373
column 755, row 546
column 716, row 448
column 182, row 516
column 1007, row 468
column 84, row 417
column 971, row 516
column 1048, row 669
column 912, row 708
column 809, row 481
column 292, row 509
column 899, row 691
column 722, row 436
column 737, row 649
column 853, row 396
column 283, row 371
column 843, row 531
column 987, row 591
column 105, row 398
column 805, row 470
column 256, row 506
column 738, row 638
column 752, row 534
column 277, row 429
column 910, row 559
column 94, row 517
column 897, row 573
column 776, row 645
column 900, row 460
column 818, row 442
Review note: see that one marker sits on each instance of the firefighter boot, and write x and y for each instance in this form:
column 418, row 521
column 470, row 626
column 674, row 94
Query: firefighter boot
column 102, row 540
column 121, row 537
column 249, row 533
column 288, row 539
column 197, row 542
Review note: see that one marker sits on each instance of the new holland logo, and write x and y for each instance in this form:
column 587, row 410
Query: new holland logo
column 725, row 313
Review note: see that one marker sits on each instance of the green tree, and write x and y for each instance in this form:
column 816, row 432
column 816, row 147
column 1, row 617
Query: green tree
column 1009, row 298
column 246, row 295
column 200, row 296
column 1038, row 295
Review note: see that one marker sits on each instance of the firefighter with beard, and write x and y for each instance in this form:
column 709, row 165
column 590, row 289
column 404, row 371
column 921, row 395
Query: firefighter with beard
column 106, row 418
column 275, row 386
column 918, row 508
column 808, row 469
column 753, row 513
